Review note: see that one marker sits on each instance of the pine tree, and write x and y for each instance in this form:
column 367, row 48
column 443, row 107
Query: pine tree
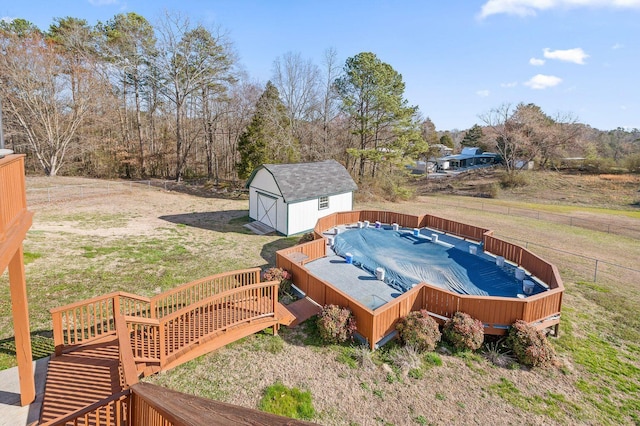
column 266, row 138
column 473, row 137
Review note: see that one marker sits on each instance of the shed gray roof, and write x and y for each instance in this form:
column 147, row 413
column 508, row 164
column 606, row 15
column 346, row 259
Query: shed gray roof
column 303, row 181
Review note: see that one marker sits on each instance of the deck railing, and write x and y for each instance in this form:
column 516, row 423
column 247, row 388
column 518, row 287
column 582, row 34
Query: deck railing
column 83, row 321
column 191, row 325
column 87, row 320
column 447, row 226
column 155, row 340
column 111, row 411
column 12, row 192
column 311, row 250
column 187, row 294
column 497, row 313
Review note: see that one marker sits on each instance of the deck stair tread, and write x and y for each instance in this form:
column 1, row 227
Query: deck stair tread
column 80, row 378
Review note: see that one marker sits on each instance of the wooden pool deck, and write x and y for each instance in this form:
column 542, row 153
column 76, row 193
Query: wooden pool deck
column 497, row 313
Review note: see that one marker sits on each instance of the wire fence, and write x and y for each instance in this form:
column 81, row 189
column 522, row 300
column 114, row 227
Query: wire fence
column 580, row 267
column 628, row 230
column 54, row 194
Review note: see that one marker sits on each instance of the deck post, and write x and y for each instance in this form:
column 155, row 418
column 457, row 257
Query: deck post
column 20, row 309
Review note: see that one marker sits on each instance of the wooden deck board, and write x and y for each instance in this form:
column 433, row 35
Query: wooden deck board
column 302, row 310
column 80, row 378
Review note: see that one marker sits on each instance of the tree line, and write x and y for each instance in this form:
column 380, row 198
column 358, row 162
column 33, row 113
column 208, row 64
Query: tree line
column 125, row 98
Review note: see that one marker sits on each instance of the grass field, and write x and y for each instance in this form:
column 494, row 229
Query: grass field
column 150, row 240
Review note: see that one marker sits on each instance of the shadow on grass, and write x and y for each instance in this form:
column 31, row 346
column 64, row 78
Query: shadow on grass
column 269, row 250
column 219, row 221
column 198, row 187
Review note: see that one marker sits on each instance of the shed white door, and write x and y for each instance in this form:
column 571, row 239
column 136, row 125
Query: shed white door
column 267, row 210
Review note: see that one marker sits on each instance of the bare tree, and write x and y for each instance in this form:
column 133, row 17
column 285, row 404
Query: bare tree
column 526, row 133
column 504, row 131
column 46, row 98
column 192, row 58
column 297, row 82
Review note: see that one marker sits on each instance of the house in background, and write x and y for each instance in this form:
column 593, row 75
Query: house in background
column 470, row 157
column 290, row 198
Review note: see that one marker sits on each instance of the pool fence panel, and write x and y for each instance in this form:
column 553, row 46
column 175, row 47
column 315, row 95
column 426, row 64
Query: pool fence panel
column 447, row 226
column 387, row 316
column 497, row 313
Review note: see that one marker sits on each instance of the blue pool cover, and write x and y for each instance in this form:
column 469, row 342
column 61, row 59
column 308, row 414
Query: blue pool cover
column 409, row 260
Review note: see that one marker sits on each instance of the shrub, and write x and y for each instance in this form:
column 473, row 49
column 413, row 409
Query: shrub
column 306, row 238
column 632, row 163
column 289, row 402
column 464, row 332
column 513, row 179
column 279, row 274
column 336, row 324
column 418, row 329
column 530, row 345
column 276, row 274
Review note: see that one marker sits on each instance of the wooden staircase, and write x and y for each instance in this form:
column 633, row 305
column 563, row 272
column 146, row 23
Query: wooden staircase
column 104, row 344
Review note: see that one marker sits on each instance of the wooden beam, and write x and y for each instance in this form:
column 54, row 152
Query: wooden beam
column 20, row 309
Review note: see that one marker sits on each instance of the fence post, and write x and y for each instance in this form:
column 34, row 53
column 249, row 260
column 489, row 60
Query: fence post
column 48, row 195
column 595, row 272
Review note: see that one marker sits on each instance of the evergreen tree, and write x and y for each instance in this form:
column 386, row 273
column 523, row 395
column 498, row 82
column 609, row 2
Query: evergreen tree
column 446, row 140
column 473, row 137
column 265, row 138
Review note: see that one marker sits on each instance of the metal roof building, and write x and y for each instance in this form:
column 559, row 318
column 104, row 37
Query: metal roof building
column 290, row 198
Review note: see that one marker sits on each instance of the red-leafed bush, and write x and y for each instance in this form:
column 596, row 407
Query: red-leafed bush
column 282, row 275
column 464, row 332
column 418, row 329
column 336, row 324
column 531, row 346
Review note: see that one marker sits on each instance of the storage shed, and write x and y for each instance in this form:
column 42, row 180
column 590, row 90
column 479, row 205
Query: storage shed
column 290, row 198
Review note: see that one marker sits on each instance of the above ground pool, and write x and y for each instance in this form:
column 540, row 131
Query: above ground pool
column 409, row 257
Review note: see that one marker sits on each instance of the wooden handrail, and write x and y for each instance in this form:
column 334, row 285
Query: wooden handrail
column 126, row 353
column 167, row 301
column 215, row 297
column 165, row 406
column 84, row 302
column 141, row 320
column 73, row 417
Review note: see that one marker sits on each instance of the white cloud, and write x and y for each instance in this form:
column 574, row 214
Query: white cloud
column 102, row 2
column 577, row 55
column 532, row 7
column 536, row 62
column 617, row 46
column 483, row 93
column 541, row 81
column 509, row 85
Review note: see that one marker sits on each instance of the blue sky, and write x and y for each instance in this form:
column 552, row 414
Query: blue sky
column 458, row 58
